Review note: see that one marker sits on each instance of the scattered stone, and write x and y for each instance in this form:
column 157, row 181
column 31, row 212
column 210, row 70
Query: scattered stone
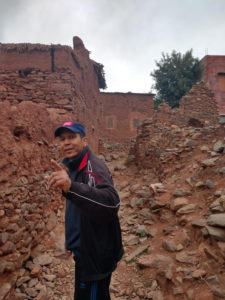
column 132, row 240
column 8, row 248
column 209, row 162
column 218, row 292
column 199, row 223
column 180, row 193
column 138, row 251
column 184, row 258
column 4, row 289
column 216, row 220
column 213, row 280
column 187, row 209
column 178, row 203
column 205, row 148
column 216, row 233
column 169, row 246
column 154, row 261
column 178, row 290
column 157, row 188
column 222, row 170
column 218, row 147
column 21, row 280
column 199, row 273
column 209, row 184
column 152, row 232
column 43, row 260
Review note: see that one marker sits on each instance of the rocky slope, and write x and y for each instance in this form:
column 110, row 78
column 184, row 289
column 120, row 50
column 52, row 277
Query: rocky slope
column 173, row 230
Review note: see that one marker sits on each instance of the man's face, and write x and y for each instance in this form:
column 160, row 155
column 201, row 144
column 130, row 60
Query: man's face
column 71, row 143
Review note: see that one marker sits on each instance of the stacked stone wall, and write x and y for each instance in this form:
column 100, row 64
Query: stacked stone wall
column 196, row 107
column 28, row 211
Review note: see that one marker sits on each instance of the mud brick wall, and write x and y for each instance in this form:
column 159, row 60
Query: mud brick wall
column 59, row 79
column 213, row 74
column 122, row 113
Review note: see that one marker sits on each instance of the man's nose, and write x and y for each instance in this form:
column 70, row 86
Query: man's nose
column 66, row 141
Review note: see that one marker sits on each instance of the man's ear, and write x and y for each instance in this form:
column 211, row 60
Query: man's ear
column 85, row 141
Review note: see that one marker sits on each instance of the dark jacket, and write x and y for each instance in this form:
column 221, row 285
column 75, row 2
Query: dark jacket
column 94, row 194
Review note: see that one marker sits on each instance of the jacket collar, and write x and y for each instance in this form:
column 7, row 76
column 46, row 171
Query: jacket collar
column 83, row 162
column 78, row 162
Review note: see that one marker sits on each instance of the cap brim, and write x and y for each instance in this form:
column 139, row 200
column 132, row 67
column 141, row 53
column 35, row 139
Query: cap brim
column 62, row 128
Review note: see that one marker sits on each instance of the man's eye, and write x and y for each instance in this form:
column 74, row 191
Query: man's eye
column 71, row 137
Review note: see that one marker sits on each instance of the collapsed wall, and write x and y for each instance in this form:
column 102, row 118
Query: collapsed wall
column 197, row 107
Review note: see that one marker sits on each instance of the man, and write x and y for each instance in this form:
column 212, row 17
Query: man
column 92, row 226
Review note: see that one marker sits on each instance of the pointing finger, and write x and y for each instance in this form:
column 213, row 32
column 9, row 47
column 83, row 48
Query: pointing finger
column 56, row 166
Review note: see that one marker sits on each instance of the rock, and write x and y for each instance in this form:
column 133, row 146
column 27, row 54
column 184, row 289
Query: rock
column 31, row 292
column 199, row 273
column 49, row 277
column 205, row 148
column 213, row 280
column 222, row 170
column 199, row 223
column 218, row 147
column 216, row 206
column 141, row 229
column 169, row 246
column 4, row 289
column 180, row 193
column 52, row 221
column 179, row 247
column 136, row 252
column 154, row 261
column 21, row 280
column 157, row 188
column 43, row 260
column 222, row 248
column 178, row 290
column 216, row 220
column 187, row 209
column 178, row 203
column 132, row 240
column 209, row 184
column 199, row 184
column 152, row 232
column 209, row 162
column 216, row 233
column 8, row 248
column 137, row 202
column 134, row 187
column 155, row 295
column 184, row 258
column 35, row 271
column 218, row 292
column 3, row 238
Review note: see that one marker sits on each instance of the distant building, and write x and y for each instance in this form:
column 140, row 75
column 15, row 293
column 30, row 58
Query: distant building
column 213, row 74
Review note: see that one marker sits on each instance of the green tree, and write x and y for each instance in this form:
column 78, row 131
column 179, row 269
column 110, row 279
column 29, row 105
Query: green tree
column 174, row 76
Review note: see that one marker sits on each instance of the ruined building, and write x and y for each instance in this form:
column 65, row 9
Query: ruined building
column 66, row 80
column 213, row 74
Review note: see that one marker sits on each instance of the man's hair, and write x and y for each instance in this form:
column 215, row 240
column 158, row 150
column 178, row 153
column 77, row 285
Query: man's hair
column 81, row 134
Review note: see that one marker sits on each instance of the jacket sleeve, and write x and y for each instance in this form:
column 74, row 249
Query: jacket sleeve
column 100, row 202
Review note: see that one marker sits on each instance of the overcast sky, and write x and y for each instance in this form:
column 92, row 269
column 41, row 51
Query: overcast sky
column 126, row 36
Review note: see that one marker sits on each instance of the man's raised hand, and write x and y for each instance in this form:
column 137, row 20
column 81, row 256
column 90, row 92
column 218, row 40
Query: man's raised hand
column 59, row 178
